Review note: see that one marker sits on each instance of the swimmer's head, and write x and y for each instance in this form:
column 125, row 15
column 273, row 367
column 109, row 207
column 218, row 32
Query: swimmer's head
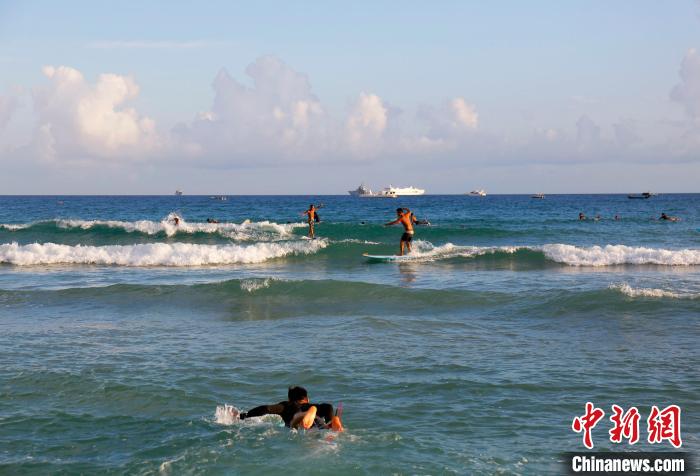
column 297, row 394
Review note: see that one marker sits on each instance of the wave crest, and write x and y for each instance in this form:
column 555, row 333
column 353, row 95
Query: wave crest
column 153, row 254
column 245, row 231
column 619, row 254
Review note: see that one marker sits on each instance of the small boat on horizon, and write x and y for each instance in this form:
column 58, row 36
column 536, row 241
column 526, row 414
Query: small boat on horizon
column 539, row 196
column 178, row 192
column 641, row 196
column 477, row 193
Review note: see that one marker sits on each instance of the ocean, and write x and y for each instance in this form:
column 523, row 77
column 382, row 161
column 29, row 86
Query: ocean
column 121, row 333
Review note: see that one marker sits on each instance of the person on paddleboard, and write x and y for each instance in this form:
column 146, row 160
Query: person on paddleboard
column 297, row 412
column 407, row 219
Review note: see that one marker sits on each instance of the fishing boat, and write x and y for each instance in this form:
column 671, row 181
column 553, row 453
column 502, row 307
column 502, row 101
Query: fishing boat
column 539, row 196
column 477, row 193
column 178, row 192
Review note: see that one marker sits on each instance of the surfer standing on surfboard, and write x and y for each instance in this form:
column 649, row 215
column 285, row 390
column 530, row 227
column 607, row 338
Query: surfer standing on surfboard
column 407, row 219
column 311, row 219
column 298, row 412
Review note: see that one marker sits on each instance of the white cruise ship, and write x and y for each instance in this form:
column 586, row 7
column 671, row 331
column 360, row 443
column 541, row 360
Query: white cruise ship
column 400, row 192
column 388, row 192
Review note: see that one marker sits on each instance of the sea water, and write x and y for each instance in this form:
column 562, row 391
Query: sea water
column 121, row 333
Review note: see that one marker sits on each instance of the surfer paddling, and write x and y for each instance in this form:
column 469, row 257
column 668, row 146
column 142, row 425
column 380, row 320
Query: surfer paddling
column 297, row 412
column 407, row 219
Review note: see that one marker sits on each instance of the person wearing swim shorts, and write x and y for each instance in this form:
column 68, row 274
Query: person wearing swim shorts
column 311, row 219
column 297, row 412
column 407, row 219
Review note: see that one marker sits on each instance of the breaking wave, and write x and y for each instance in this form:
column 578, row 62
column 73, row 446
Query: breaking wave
column 619, row 254
column 571, row 255
column 628, row 290
column 154, row 254
column 245, row 231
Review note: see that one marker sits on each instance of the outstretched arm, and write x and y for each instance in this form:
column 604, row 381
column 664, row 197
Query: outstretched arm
column 264, row 410
column 393, row 222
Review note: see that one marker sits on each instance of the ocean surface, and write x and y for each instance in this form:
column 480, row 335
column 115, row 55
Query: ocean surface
column 121, row 333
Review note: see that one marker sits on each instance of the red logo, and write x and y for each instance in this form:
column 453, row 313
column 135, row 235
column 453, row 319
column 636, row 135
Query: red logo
column 587, row 422
column 665, row 425
column 662, row 425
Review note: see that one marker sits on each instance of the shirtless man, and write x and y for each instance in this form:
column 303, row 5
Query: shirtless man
column 298, row 412
column 407, row 219
column 311, row 212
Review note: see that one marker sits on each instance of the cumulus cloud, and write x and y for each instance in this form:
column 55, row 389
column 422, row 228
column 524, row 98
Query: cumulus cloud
column 278, row 117
column 79, row 119
column 464, row 114
column 366, row 124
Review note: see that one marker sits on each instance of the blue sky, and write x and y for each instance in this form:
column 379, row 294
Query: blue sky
column 509, row 96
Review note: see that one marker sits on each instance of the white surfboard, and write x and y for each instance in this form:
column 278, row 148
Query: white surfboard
column 387, row 258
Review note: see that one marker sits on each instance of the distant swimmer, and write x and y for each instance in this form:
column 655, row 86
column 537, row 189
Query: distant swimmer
column 668, row 218
column 176, row 220
column 617, row 217
column 311, row 218
column 407, row 219
column 212, row 220
column 581, row 216
column 297, row 412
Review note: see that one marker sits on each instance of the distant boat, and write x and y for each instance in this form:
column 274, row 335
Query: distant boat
column 539, row 196
column 642, row 196
column 223, row 198
column 361, row 191
column 178, row 192
column 477, row 193
column 388, row 192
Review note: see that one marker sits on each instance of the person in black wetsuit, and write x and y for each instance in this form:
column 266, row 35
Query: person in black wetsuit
column 296, row 411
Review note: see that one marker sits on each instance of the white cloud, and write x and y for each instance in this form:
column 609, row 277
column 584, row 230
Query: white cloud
column 278, row 117
column 80, row 119
column 366, row 124
column 464, row 114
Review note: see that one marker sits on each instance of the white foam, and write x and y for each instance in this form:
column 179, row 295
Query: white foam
column 619, row 254
column 226, row 415
column 245, row 231
column 628, row 290
column 355, row 240
column 252, row 285
column 426, row 251
column 154, row 254
column 15, row 226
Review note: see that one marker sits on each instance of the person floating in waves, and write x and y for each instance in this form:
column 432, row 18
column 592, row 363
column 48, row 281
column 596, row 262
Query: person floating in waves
column 297, row 412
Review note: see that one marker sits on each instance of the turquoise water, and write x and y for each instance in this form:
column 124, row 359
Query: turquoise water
column 121, row 333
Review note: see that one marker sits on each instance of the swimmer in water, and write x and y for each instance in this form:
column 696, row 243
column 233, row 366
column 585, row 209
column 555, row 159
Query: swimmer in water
column 407, row 219
column 212, row 220
column 581, row 216
column 297, row 412
column 668, row 218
